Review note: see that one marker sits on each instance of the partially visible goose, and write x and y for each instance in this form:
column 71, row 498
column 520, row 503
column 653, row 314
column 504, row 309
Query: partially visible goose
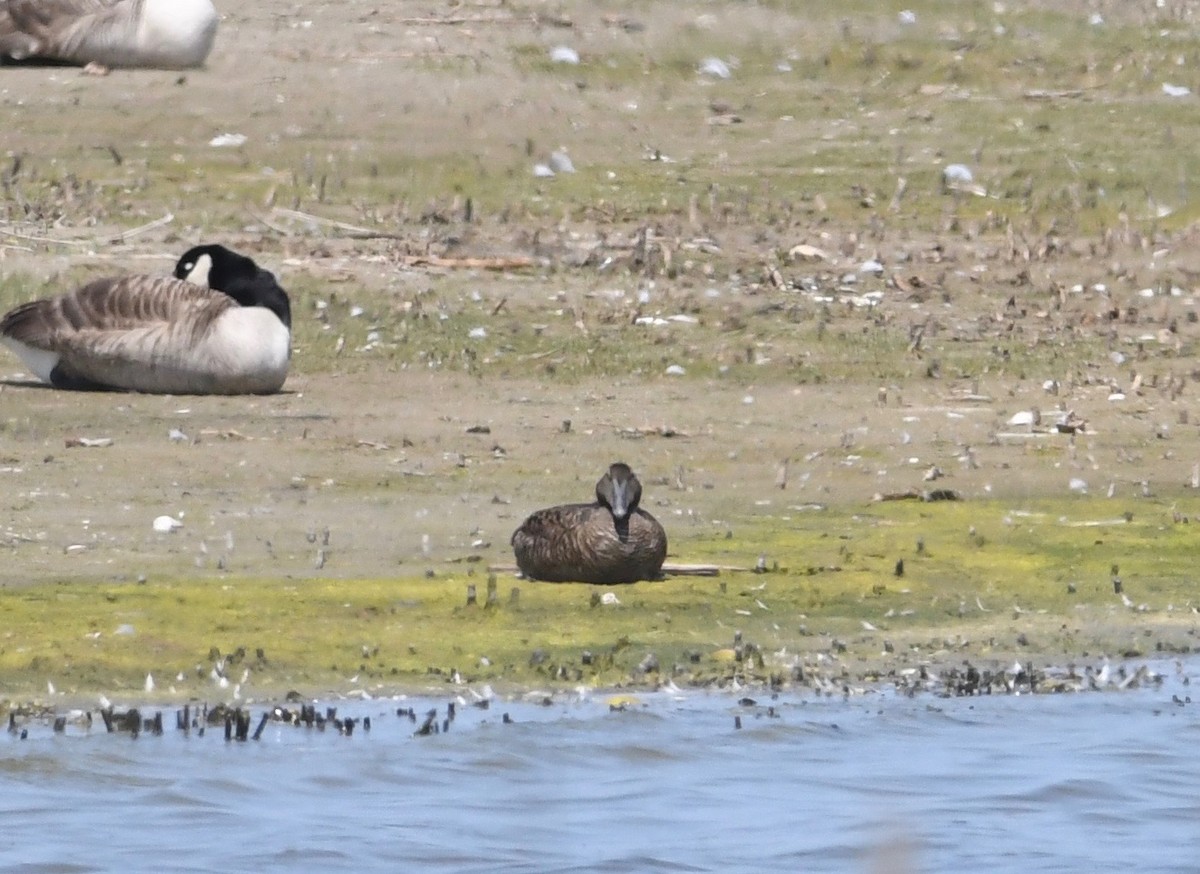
column 160, row 334
column 609, row 541
column 165, row 34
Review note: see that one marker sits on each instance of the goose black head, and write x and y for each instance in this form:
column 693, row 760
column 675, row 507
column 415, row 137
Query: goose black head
column 239, row 277
column 619, row 490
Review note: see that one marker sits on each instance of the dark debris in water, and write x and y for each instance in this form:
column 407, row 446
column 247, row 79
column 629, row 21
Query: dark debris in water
column 1025, row 679
column 235, row 722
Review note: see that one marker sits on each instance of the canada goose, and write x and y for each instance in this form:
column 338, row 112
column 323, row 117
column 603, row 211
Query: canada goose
column 609, row 541
column 160, row 334
column 165, row 34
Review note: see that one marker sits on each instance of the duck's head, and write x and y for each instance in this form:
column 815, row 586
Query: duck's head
column 619, row 490
column 237, row 276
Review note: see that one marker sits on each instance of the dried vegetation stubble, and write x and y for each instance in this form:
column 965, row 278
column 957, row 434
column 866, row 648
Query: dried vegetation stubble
column 758, row 290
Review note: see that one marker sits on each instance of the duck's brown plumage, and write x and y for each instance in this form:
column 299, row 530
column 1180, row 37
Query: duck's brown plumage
column 609, row 541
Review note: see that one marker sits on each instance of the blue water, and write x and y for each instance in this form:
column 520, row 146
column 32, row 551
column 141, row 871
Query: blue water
column 1099, row 781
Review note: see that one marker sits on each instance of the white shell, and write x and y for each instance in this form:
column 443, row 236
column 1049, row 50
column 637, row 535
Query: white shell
column 166, row 524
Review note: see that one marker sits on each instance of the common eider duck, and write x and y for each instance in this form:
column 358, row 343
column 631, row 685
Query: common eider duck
column 611, row 540
column 161, row 334
column 162, row 34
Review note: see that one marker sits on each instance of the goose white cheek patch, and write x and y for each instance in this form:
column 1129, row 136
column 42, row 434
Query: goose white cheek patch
column 199, row 273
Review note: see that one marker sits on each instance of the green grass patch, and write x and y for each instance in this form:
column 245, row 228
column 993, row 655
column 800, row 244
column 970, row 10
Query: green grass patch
column 999, row 579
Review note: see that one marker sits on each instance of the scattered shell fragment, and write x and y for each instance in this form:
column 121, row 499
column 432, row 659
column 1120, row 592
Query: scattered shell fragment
column 676, row 370
column 166, row 524
column 1175, row 90
column 609, row 598
column 560, row 162
column 564, row 55
column 225, row 141
column 715, row 67
column 88, row 442
column 957, row 174
column 807, row 252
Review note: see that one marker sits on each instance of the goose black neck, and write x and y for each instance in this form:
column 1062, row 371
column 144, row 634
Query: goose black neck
column 240, row 278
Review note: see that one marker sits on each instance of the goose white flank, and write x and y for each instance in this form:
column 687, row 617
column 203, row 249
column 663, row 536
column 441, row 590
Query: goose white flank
column 160, row 34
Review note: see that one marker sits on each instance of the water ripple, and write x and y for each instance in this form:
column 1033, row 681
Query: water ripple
column 1082, row 783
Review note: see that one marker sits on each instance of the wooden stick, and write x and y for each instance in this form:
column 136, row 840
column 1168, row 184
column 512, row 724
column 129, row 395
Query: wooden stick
column 498, row 263
column 141, row 229
column 675, row 569
column 353, row 231
column 462, row 19
column 47, row 239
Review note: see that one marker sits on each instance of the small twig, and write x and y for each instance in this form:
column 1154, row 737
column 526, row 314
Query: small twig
column 1044, row 94
column 149, row 226
column 462, row 19
column 901, row 187
column 34, row 239
column 499, row 263
column 276, row 228
column 675, row 569
column 354, row 230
